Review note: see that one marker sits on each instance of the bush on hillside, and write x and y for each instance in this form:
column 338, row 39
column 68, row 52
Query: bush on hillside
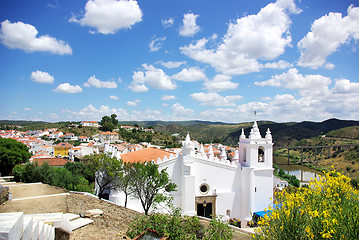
column 174, row 226
column 59, row 177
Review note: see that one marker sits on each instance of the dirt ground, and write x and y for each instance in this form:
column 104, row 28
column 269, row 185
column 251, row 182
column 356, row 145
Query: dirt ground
column 113, row 224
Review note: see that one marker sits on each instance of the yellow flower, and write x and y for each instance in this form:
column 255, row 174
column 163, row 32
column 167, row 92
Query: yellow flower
column 326, row 235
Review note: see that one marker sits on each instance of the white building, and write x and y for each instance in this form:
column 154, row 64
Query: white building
column 90, row 124
column 80, row 151
column 209, row 185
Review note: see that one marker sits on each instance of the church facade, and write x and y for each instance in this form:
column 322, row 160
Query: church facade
column 209, row 185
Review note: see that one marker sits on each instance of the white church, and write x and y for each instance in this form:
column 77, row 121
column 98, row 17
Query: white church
column 208, row 185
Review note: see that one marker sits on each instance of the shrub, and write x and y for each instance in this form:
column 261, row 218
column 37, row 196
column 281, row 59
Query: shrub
column 176, row 227
column 328, row 208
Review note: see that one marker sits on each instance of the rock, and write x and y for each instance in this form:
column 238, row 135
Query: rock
column 93, row 213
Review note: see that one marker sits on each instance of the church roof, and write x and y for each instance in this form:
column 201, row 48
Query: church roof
column 144, row 155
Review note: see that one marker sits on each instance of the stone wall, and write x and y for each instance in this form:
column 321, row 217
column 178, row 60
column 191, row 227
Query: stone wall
column 4, row 194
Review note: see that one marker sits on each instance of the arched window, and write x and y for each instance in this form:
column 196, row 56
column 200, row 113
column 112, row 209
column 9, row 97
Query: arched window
column 260, row 154
column 244, row 155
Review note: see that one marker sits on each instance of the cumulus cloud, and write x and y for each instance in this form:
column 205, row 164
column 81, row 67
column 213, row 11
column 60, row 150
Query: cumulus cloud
column 180, row 112
column 42, row 77
column 153, row 77
column 156, row 43
column 109, row 16
column 306, row 84
column 171, row 64
column 214, row 99
column 67, row 88
column 166, row 23
column 168, row 97
column 93, row 81
column 219, row 83
column 23, row 36
column 327, row 34
column 133, row 103
column 189, row 26
column 278, row 65
column 114, row 97
column 249, row 39
column 27, row 109
column 191, row 74
column 345, row 86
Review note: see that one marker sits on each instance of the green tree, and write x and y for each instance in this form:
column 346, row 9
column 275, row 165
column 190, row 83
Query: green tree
column 148, row 181
column 107, row 124
column 114, row 120
column 12, row 153
column 108, row 170
column 125, row 180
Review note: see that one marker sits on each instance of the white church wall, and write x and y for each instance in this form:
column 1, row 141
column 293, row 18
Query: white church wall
column 264, row 189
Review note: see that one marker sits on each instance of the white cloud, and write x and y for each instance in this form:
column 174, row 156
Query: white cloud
column 153, row 77
column 344, row 86
column 109, row 16
column 93, row 81
column 133, row 103
column 168, row 97
column 327, row 34
column 219, row 83
column 67, row 88
column 214, row 99
column 42, row 77
column 166, row 23
column 278, row 65
column 191, row 74
column 180, row 112
column 171, row 64
column 189, row 26
column 27, row 109
column 307, row 84
column 114, row 97
column 263, row 36
column 23, row 36
column 156, row 43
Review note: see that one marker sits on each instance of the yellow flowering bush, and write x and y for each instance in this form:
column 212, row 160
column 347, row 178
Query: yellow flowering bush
column 328, row 208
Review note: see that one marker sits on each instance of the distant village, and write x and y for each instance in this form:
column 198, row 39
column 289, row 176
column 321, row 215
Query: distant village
column 57, row 148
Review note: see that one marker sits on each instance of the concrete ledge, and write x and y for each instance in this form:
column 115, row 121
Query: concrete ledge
column 27, row 228
column 11, row 225
column 42, row 196
column 80, row 222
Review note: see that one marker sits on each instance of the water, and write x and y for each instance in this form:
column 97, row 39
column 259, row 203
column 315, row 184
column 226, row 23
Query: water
column 304, row 174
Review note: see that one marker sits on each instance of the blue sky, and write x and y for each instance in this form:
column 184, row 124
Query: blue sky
column 179, row 60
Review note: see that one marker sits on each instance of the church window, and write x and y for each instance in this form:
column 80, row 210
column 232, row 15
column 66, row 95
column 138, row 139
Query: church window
column 204, row 188
column 260, row 154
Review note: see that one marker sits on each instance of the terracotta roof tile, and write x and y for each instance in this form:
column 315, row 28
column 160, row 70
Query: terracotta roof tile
column 144, row 155
column 51, row 161
column 64, row 144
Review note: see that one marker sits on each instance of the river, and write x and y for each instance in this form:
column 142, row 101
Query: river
column 304, row 174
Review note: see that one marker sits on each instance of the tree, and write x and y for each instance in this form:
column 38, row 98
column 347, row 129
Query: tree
column 148, row 181
column 125, row 181
column 106, row 124
column 108, row 170
column 12, row 153
column 114, row 120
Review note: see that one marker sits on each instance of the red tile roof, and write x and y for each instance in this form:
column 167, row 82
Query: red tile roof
column 55, row 162
column 144, row 155
column 64, row 144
